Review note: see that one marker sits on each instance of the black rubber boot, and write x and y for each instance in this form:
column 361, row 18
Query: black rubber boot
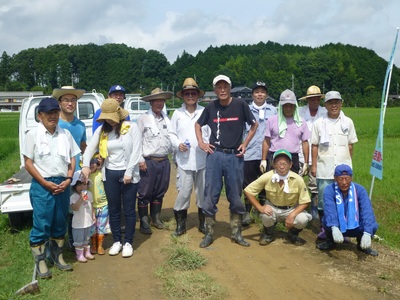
column 155, row 211
column 236, row 226
column 180, row 217
column 267, row 236
column 329, row 243
column 39, row 254
column 56, row 249
column 247, row 220
column 202, row 221
column 293, row 236
column 208, row 238
column 144, row 219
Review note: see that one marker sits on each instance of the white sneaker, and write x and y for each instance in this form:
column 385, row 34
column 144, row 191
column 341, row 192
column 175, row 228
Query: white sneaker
column 127, row 251
column 115, row 249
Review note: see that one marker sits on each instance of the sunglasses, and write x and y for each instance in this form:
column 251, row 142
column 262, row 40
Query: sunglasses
column 188, row 94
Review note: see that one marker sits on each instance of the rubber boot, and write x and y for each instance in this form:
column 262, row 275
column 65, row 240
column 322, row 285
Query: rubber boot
column 329, row 243
column 87, row 253
column 236, row 226
column 79, row 255
column 144, row 219
column 93, row 241
column 155, row 211
column 247, row 220
column 267, row 236
column 100, row 249
column 180, row 217
column 368, row 251
column 56, row 248
column 39, row 255
column 293, row 236
column 321, row 235
column 202, row 221
column 208, row 238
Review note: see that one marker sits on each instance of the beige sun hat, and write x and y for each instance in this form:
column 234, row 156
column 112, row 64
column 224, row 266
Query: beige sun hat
column 190, row 84
column 157, row 94
column 110, row 110
column 313, row 91
column 66, row 90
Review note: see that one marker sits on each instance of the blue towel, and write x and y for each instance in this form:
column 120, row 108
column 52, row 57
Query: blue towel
column 350, row 218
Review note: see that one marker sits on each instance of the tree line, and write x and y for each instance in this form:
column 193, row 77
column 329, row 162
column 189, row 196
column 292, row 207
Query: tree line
column 357, row 72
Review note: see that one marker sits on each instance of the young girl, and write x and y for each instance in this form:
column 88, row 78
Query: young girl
column 101, row 225
column 83, row 219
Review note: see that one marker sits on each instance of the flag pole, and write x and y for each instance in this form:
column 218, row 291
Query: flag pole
column 377, row 159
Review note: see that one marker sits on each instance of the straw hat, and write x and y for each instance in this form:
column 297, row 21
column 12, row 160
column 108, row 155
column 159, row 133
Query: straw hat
column 67, row 90
column 190, row 84
column 157, row 94
column 313, row 91
column 110, row 110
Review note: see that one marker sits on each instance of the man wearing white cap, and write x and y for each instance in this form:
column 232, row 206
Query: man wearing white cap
column 311, row 112
column 226, row 118
column 332, row 142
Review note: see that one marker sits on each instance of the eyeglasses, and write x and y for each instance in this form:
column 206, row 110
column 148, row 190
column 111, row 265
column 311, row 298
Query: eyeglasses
column 69, row 100
column 282, row 164
column 188, row 94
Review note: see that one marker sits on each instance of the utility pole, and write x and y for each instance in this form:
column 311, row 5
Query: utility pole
column 292, row 83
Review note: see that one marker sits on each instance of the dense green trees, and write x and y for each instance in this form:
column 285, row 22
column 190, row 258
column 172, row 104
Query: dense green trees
column 358, row 73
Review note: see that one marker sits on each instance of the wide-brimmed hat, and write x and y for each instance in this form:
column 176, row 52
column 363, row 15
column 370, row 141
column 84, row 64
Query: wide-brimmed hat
column 190, row 84
column 313, row 91
column 67, row 90
column 157, row 94
column 110, row 110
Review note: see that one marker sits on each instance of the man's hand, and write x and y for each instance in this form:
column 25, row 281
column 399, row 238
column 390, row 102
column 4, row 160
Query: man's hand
column 263, row 166
column 143, row 166
column 365, row 241
column 304, row 170
column 337, row 235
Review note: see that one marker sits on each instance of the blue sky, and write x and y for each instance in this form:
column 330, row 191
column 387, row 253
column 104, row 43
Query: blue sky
column 175, row 25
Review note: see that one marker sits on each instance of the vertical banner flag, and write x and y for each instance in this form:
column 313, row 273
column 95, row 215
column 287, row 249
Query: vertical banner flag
column 377, row 159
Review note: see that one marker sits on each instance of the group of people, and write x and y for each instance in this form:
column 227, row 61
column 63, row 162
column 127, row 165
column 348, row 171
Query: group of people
column 254, row 148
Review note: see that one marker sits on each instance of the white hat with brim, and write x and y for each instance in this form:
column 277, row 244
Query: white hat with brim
column 157, row 94
column 67, row 90
column 77, row 176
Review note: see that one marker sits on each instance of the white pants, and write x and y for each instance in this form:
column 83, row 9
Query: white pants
column 280, row 215
column 188, row 179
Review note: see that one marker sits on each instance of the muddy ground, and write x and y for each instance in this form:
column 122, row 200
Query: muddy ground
column 277, row 271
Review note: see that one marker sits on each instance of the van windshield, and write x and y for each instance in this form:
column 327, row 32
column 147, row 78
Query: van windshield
column 140, row 105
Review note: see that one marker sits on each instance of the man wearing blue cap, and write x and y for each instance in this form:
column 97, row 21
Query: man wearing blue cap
column 49, row 154
column 287, row 198
column 347, row 212
column 116, row 92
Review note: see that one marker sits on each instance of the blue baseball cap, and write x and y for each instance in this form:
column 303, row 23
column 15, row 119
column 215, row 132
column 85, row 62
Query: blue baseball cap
column 282, row 152
column 48, row 104
column 117, row 88
column 343, row 170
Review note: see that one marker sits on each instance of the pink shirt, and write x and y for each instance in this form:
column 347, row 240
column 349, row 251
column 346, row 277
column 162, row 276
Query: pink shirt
column 293, row 136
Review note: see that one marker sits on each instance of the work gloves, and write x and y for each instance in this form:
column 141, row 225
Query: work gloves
column 263, row 166
column 365, row 241
column 304, row 170
column 337, row 235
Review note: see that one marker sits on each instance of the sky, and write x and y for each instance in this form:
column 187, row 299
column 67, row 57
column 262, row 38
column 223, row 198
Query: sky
column 174, row 26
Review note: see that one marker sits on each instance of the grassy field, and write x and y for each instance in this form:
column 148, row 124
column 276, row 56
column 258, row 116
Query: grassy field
column 16, row 263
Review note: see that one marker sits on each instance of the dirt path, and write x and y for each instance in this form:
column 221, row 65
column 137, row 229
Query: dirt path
column 277, row 271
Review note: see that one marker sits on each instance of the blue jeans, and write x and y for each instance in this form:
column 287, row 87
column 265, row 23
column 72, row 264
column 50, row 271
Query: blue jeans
column 116, row 192
column 49, row 212
column 221, row 165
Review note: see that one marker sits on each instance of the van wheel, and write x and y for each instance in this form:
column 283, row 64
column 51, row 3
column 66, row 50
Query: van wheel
column 20, row 219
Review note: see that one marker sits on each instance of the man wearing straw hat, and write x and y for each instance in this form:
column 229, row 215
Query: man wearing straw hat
column 191, row 160
column 311, row 112
column 154, row 165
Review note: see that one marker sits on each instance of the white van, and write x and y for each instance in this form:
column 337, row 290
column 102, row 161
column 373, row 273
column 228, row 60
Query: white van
column 14, row 196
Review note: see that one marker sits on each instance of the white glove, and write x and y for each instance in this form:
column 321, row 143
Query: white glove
column 304, row 170
column 337, row 235
column 365, row 241
column 263, row 166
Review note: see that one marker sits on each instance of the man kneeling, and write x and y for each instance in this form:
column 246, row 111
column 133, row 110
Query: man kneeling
column 287, row 198
column 347, row 212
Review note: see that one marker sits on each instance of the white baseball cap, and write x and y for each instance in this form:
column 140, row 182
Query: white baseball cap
column 223, row 78
column 332, row 95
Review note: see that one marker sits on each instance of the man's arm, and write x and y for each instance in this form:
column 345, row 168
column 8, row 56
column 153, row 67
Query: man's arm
column 314, row 157
column 290, row 218
column 199, row 136
column 306, row 150
column 351, row 150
